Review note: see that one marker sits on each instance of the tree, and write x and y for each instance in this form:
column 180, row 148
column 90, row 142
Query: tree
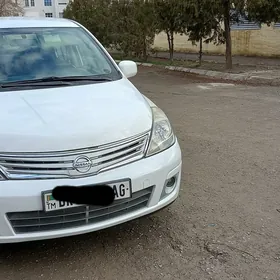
column 94, row 15
column 263, row 11
column 143, row 14
column 134, row 27
column 226, row 7
column 203, row 25
column 200, row 19
column 128, row 26
column 227, row 11
column 210, row 22
column 10, row 8
column 123, row 36
column 171, row 18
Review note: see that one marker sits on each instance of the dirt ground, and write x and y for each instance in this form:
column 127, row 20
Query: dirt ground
column 226, row 221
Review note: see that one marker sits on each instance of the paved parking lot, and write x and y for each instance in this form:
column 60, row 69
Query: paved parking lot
column 226, row 222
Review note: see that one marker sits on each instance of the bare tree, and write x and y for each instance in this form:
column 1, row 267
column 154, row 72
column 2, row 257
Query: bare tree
column 10, row 8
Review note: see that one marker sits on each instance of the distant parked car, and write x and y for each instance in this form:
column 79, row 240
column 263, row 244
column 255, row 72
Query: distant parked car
column 70, row 116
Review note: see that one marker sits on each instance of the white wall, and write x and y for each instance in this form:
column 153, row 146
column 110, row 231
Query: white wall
column 40, row 10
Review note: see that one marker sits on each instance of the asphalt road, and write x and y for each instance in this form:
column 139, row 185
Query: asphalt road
column 226, row 222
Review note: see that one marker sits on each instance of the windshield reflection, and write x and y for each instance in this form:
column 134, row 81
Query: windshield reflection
column 28, row 53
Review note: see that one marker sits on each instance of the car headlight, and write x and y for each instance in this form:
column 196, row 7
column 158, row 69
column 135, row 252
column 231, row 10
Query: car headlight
column 2, row 178
column 162, row 134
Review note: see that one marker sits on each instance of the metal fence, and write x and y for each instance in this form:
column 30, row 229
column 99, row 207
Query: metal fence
column 246, row 25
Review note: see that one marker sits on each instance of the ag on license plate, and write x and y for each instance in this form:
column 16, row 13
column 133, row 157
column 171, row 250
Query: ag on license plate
column 122, row 190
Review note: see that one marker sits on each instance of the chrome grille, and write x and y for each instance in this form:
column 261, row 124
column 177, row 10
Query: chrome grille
column 38, row 221
column 61, row 164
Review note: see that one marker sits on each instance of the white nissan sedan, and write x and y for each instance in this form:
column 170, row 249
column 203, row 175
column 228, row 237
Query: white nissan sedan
column 70, row 116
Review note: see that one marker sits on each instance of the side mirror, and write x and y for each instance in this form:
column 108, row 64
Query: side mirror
column 128, row 67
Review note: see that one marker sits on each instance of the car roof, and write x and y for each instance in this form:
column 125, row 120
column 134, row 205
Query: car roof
column 17, row 22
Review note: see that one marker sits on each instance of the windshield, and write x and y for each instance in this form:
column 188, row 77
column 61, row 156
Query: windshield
column 36, row 53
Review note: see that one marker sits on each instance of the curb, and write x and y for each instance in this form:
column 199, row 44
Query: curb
column 215, row 74
column 212, row 74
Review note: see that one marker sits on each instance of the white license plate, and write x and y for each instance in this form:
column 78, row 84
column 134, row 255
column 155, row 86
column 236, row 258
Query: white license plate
column 122, row 190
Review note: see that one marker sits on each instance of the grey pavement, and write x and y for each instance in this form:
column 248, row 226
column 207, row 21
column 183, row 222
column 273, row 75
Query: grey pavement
column 225, row 224
column 260, row 77
column 269, row 77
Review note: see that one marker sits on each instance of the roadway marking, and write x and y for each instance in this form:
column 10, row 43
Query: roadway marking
column 210, row 86
column 221, row 85
column 204, row 87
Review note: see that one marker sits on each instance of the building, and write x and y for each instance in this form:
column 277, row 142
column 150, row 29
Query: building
column 44, row 8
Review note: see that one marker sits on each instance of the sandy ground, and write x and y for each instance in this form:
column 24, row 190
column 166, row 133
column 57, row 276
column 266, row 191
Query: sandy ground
column 226, row 222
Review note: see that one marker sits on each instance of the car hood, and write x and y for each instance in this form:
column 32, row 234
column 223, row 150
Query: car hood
column 66, row 118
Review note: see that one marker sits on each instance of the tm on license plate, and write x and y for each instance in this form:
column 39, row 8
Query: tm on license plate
column 122, row 190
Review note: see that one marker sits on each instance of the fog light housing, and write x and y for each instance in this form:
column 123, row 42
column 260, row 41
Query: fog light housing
column 169, row 186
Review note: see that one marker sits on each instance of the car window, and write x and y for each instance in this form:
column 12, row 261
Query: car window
column 33, row 53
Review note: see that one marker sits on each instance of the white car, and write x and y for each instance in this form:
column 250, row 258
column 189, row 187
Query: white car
column 70, row 116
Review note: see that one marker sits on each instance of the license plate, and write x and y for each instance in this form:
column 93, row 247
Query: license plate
column 122, row 190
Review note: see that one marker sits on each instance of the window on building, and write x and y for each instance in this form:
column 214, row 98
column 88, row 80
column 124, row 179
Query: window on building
column 26, row 3
column 62, row 3
column 243, row 23
column 61, row 15
column 48, row 2
column 32, row 2
column 48, row 15
column 277, row 25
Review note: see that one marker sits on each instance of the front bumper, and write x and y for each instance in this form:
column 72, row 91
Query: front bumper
column 25, row 195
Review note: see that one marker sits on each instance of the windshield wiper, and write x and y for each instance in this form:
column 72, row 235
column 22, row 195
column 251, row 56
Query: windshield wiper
column 72, row 79
column 54, row 81
column 78, row 78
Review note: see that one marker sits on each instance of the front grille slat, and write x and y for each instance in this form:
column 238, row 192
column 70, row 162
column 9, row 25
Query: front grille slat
column 48, row 217
column 50, row 223
column 36, row 215
column 35, row 174
column 113, row 155
column 52, row 155
column 122, row 160
column 61, row 164
column 40, row 221
column 34, row 165
column 116, row 209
